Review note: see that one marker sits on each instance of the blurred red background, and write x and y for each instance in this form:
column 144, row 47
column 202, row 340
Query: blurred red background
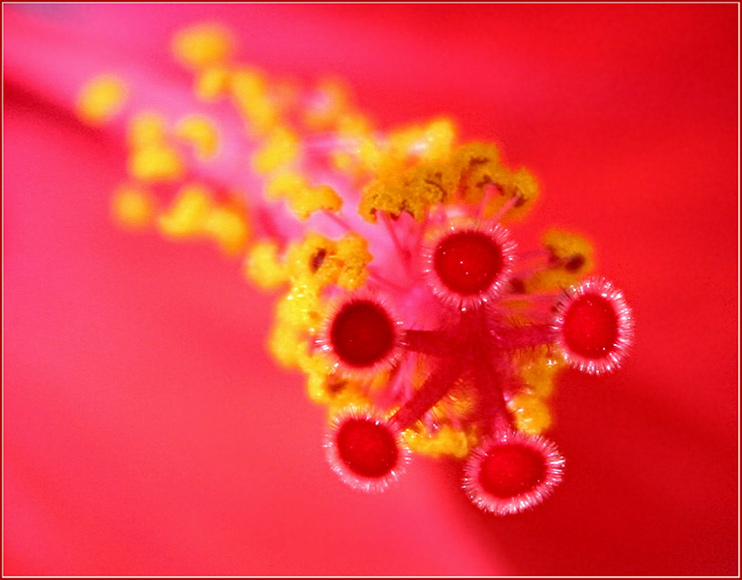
column 146, row 430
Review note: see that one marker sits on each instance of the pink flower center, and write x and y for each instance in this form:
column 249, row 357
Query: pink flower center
column 590, row 326
column 362, row 333
column 468, row 262
column 510, row 470
column 367, row 447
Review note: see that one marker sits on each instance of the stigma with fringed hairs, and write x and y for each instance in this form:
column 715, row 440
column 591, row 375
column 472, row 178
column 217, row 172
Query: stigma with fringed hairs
column 421, row 322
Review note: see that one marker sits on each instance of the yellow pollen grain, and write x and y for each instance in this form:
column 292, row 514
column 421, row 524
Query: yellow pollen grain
column 283, row 184
column 101, row 99
column 146, row 129
column 155, row 162
column 202, row 46
column 133, row 207
column 188, row 214
column 229, row 228
column 264, row 267
column 212, row 83
column 201, row 133
column 281, row 148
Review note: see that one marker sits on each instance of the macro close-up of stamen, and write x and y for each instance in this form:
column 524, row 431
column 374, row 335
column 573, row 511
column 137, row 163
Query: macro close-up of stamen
column 314, row 290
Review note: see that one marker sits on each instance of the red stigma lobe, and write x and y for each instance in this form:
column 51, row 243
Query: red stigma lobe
column 467, row 262
column 590, row 326
column 362, row 334
column 510, row 470
column 367, row 447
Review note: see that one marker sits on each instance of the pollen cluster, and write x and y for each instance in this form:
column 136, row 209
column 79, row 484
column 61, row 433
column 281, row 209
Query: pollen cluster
column 419, row 319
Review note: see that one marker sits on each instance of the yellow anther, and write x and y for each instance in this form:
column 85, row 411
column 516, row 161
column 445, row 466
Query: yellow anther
column 229, row 228
column 202, row 46
column 249, row 89
column 187, row 216
column 313, row 258
column 477, row 167
column 325, row 387
column 101, row 99
column 445, row 441
column 281, row 148
column 155, row 163
column 146, row 129
column 523, row 187
column 300, row 307
column 133, row 207
column 530, row 413
column 263, row 266
column 413, row 191
column 304, row 202
column 200, row 132
column 352, row 251
column 284, row 184
column 212, row 83
column 574, row 252
column 287, row 345
column 571, row 259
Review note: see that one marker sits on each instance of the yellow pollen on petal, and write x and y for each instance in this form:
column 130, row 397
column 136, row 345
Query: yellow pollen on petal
column 201, row 133
column 188, row 214
column 155, row 162
column 101, row 99
column 133, row 207
column 530, row 413
column 146, row 129
column 202, row 45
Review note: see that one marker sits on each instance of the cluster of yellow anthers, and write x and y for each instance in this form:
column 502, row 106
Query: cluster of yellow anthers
column 410, row 172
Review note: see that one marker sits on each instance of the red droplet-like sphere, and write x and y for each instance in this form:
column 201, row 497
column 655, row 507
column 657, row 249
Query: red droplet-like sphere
column 468, row 262
column 367, row 447
column 510, row 470
column 362, row 333
column 591, row 326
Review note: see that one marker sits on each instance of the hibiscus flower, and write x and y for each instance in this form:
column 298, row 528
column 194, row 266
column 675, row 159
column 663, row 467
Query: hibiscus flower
column 148, row 431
